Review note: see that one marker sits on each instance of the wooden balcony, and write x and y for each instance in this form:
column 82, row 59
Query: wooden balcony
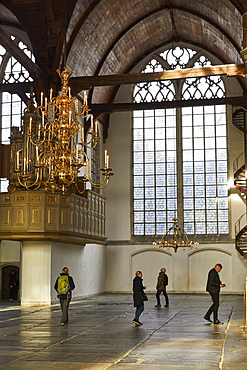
column 38, row 215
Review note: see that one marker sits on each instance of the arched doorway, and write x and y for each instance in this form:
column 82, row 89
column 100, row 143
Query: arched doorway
column 6, row 270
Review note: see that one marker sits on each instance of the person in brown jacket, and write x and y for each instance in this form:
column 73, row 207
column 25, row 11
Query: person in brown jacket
column 162, row 282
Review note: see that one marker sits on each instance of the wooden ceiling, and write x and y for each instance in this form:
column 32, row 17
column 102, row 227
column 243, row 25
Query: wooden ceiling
column 109, row 37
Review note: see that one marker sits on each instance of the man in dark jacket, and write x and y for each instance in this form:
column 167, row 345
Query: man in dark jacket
column 162, row 283
column 13, row 286
column 138, row 297
column 213, row 287
column 65, row 298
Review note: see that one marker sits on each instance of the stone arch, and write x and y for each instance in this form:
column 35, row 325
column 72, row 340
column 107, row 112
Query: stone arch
column 201, row 261
column 150, row 262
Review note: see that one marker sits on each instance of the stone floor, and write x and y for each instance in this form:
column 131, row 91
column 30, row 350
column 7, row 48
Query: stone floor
column 101, row 335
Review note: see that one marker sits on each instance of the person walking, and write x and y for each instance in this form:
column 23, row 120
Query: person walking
column 213, row 287
column 138, row 297
column 64, row 286
column 162, row 283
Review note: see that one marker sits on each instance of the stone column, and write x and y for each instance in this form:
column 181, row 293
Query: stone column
column 36, row 273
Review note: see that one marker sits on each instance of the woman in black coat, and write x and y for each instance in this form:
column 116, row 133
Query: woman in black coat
column 138, row 296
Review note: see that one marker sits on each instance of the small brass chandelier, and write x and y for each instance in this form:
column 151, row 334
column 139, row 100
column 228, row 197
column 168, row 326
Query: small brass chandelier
column 175, row 237
column 50, row 151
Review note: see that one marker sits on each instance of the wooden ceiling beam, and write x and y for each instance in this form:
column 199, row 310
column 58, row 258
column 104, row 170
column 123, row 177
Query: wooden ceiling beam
column 87, row 82
column 97, row 109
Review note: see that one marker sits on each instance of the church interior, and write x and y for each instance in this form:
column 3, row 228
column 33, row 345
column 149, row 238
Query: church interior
column 123, row 146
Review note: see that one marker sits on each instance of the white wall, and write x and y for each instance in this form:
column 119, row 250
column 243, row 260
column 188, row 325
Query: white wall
column 35, row 288
column 10, row 251
column 118, row 192
column 187, row 270
column 86, row 265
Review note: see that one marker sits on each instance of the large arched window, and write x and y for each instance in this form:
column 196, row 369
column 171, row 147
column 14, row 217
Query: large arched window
column 11, row 104
column 180, row 155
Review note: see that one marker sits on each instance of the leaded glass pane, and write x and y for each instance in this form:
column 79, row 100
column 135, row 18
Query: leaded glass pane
column 161, row 216
column 160, row 203
column 150, row 228
column 187, row 166
column 149, row 168
column 188, row 191
column 172, row 204
column 223, row 215
column 211, row 203
column 160, row 228
column 160, row 192
column 138, row 181
column 149, row 157
column 199, row 179
column 171, row 192
column 223, row 228
column 189, row 203
column 159, row 133
column 149, row 217
column 200, row 203
column 149, row 204
column 149, row 192
column 138, row 145
column 139, row 217
column 188, row 179
column 199, row 191
column 223, row 203
column 189, row 216
column 138, row 193
column 139, row 205
column 149, row 145
column 149, row 180
column 139, row 229
column 138, row 169
column 212, row 215
column 199, row 155
column 222, row 191
column 137, row 135
column 209, row 143
column 160, row 168
column 188, row 155
column 200, row 228
column 189, row 227
column 212, row 228
column 187, row 143
column 138, row 157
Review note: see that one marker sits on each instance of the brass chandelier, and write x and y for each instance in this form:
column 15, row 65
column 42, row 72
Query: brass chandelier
column 175, row 237
column 50, row 151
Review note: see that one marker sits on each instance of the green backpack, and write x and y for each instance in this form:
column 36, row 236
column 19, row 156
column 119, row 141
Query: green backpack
column 63, row 284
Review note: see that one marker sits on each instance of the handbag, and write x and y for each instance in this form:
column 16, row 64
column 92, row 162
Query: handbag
column 144, row 296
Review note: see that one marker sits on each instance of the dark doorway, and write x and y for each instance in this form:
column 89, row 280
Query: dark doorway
column 5, row 281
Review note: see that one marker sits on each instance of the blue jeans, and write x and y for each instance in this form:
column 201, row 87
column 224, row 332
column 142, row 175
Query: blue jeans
column 139, row 310
column 165, row 295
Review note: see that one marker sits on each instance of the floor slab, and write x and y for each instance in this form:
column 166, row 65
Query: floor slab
column 100, row 335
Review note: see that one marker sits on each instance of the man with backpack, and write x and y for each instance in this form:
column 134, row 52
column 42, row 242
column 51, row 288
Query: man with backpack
column 162, row 282
column 64, row 285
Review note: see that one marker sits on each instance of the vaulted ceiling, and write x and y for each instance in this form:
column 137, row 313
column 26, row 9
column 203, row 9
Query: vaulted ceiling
column 105, row 37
